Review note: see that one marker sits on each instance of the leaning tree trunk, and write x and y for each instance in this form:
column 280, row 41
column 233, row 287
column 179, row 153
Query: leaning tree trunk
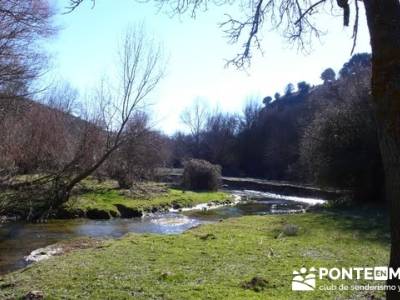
column 383, row 17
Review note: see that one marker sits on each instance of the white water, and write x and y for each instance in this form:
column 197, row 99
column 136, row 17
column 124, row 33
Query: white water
column 257, row 194
column 207, row 206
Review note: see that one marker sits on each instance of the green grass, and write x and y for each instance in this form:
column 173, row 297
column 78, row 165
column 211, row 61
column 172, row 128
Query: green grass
column 213, row 261
column 106, row 199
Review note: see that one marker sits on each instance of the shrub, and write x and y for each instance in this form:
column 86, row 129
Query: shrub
column 201, row 175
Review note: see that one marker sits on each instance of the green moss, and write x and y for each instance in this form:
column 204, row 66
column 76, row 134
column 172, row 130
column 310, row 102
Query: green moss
column 189, row 266
column 108, row 200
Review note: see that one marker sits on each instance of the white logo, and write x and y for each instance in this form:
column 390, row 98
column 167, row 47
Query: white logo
column 303, row 281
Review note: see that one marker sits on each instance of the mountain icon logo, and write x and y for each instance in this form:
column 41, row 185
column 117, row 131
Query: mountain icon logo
column 304, row 280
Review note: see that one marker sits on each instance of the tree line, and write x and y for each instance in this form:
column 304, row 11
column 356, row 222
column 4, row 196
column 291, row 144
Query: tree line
column 325, row 135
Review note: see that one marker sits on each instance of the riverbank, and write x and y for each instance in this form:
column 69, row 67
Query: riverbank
column 105, row 201
column 271, row 186
column 250, row 257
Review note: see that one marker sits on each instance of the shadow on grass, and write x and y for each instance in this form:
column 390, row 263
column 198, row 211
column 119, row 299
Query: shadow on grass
column 370, row 222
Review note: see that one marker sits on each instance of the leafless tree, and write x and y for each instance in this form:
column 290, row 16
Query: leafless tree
column 195, row 118
column 138, row 158
column 219, row 138
column 73, row 4
column 62, row 97
column 296, row 18
column 140, row 71
column 250, row 114
column 23, row 24
column 39, row 137
column 102, row 128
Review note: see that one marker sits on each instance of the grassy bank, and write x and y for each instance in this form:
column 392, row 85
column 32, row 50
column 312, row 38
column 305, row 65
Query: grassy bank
column 214, row 261
column 103, row 200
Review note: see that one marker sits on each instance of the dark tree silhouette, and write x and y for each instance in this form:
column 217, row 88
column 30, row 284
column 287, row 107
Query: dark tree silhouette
column 275, row 131
column 339, row 146
column 267, row 100
column 328, row 75
column 356, row 63
column 303, row 87
column 289, row 89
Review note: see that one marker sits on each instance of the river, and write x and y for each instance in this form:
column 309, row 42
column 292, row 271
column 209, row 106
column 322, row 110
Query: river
column 18, row 239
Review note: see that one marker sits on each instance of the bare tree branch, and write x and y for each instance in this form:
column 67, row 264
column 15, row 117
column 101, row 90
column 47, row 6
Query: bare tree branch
column 294, row 17
column 308, row 11
column 73, row 4
column 355, row 27
column 141, row 72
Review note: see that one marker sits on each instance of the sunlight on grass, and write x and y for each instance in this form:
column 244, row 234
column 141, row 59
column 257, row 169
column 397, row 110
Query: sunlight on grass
column 211, row 262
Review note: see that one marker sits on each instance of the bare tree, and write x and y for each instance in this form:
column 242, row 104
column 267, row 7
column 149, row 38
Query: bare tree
column 250, row 114
column 138, row 158
column 62, row 97
column 195, row 118
column 23, row 24
column 140, row 73
column 219, row 138
column 102, row 129
column 38, row 136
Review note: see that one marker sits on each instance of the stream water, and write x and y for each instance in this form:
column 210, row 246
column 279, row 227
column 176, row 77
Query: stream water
column 18, row 239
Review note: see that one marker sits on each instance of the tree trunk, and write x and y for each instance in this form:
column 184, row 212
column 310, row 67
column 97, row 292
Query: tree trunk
column 383, row 17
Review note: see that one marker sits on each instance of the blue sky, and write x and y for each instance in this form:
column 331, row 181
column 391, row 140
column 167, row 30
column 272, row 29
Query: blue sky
column 85, row 50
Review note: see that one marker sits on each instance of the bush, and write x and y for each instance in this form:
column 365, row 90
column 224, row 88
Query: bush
column 201, row 175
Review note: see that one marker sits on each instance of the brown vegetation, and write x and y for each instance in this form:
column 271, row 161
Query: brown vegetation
column 200, row 175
